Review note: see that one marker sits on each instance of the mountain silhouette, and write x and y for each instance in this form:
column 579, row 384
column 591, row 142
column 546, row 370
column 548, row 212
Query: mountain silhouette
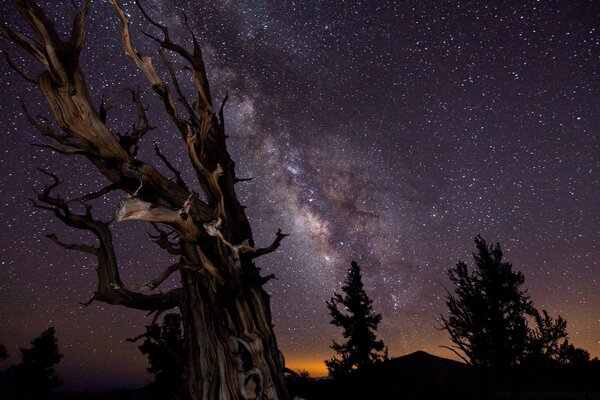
column 420, row 375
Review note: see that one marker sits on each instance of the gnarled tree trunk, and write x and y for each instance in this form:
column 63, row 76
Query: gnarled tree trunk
column 231, row 347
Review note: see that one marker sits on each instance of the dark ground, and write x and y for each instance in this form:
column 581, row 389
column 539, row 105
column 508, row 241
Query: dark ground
column 419, row 376
column 423, row 376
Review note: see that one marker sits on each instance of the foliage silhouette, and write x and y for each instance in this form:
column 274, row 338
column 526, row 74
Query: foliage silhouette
column 488, row 310
column 489, row 314
column 34, row 377
column 548, row 342
column 545, row 339
column 574, row 356
column 359, row 323
column 297, row 382
column 164, row 346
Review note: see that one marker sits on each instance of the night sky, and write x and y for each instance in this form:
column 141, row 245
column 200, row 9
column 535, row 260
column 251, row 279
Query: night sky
column 390, row 133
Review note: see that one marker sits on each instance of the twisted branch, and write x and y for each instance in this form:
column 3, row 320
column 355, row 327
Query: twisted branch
column 110, row 288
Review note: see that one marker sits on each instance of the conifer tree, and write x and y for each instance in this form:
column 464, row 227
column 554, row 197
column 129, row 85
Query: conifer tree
column 39, row 361
column 488, row 310
column 359, row 323
column 34, row 378
column 489, row 314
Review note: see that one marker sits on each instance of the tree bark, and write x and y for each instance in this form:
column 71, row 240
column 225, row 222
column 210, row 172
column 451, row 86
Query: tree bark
column 231, row 346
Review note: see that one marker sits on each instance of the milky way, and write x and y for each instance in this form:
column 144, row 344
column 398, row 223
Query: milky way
column 390, row 133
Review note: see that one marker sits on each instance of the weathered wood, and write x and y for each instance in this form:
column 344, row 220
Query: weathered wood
column 232, row 349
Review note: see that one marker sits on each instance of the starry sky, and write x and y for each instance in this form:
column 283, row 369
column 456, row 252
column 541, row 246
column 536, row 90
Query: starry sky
column 390, row 133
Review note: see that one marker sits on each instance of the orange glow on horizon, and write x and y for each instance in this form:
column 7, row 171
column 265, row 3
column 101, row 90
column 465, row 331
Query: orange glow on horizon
column 316, row 368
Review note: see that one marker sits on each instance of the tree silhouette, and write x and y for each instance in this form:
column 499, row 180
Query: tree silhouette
column 488, row 310
column 548, row 342
column 574, row 356
column 231, row 347
column 35, row 377
column 39, row 361
column 164, row 345
column 359, row 324
column 489, row 313
column 545, row 339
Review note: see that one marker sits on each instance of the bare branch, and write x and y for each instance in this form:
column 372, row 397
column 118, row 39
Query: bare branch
column 23, row 74
column 140, row 127
column 182, row 99
column 24, row 42
column 138, row 337
column 55, row 182
column 170, row 166
column 105, row 108
column 35, row 204
column 91, row 196
column 466, row 360
column 187, row 25
column 144, row 63
column 204, row 138
column 164, row 30
column 68, row 246
column 267, row 278
column 141, row 124
column 133, row 208
column 163, row 240
column 110, row 288
column 154, row 283
column 221, row 110
column 195, row 59
column 42, row 125
column 66, row 151
column 236, row 180
column 276, row 243
column 77, row 38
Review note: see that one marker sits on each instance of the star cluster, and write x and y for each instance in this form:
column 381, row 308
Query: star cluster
column 390, row 133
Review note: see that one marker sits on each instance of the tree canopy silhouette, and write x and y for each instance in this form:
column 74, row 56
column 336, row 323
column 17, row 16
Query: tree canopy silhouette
column 35, row 377
column 39, row 361
column 358, row 322
column 488, row 310
column 490, row 314
column 548, row 342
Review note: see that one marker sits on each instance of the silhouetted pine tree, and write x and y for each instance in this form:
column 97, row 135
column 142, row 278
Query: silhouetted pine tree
column 488, row 315
column 34, row 378
column 359, row 324
column 39, row 361
column 488, row 310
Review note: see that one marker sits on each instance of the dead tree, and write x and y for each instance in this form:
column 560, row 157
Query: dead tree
column 231, row 347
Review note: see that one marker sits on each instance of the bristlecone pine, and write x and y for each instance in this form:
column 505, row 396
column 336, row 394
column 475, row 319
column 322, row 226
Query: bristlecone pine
column 231, row 348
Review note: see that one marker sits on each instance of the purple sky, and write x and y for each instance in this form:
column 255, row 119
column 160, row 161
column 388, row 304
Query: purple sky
column 390, row 133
